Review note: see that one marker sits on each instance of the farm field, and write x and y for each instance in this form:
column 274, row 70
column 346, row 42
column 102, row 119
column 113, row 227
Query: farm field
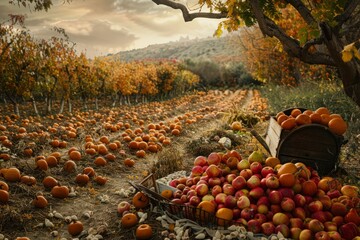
column 119, row 144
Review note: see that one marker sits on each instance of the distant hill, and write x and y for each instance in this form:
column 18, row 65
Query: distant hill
column 220, row 49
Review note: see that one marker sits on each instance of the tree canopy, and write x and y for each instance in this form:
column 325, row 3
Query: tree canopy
column 319, row 35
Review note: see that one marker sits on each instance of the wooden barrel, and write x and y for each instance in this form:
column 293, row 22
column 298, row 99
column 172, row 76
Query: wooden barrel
column 314, row 145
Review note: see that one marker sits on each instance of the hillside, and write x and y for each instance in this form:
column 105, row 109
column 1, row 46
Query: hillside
column 206, row 48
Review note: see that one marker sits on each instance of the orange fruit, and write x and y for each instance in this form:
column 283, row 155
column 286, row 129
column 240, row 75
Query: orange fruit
column 322, row 110
column 224, row 215
column 129, row 220
column 335, row 115
column 287, row 168
column 287, row 180
column 140, row 200
column 75, row 155
column 279, row 114
column 325, row 119
column 309, row 188
column 140, row 153
column 304, row 171
column 272, row 161
column 308, row 112
column 303, row 119
column 324, row 184
column 282, row 118
column 167, row 193
column 143, row 232
column 295, row 112
column 337, row 126
column 236, row 126
column 205, row 210
column 315, row 118
column 288, row 124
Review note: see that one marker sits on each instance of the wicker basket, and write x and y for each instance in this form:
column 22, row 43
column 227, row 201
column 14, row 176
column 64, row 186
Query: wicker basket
column 180, row 211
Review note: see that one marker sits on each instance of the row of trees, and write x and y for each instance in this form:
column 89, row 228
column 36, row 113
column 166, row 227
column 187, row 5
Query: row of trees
column 50, row 70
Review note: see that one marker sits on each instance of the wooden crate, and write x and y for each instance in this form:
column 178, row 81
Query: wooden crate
column 313, row 144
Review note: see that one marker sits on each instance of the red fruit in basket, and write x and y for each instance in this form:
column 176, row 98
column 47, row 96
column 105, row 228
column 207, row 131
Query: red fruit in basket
column 322, row 235
column 268, row 228
column 352, row 216
column 272, row 182
column 213, row 171
column 287, row 204
column 246, row 173
column 247, row 214
column 299, row 200
column 194, row 200
column 201, row 189
column 256, row 167
column 253, row 182
column 275, row 197
column 213, row 158
column 299, row 212
column 173, row 183
column 266, row 170
column 338, row 209
column 230, row 201
column 333, row 193
column 315, row 206
column 350, row 191
column 280, row 218
column 200, row 161
column 228, row 189
column 349, row 231
column 220, row 198
column 254, row 226
column 283, row 229
column 287, row 192
column 197, row 171
column 256, row 193
column 230, row 177
column 239, row 182
column 316, row 226
column 321, row 216
column 243, row 202
column 232, row 162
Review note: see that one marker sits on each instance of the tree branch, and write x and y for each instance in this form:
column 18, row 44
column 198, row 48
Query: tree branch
column 290, row 45
column 303, row 10
column 348, row 11
column 186, row 14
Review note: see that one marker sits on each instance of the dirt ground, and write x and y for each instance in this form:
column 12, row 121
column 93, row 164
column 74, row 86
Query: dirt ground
column 94, row 205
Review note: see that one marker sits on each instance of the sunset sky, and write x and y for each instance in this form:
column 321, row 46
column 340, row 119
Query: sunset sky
column 99, row 27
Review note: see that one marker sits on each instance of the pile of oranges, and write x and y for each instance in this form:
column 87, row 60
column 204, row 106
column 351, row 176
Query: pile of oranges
column 322, row 115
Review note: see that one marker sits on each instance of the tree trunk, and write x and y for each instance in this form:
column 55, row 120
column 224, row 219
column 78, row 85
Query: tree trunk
column 34, row 106
column 349, row 71
column 14, row 103
column 48, row 105
column 69, row 105
column 85, row 107
column 96, row 104
column 62, row 103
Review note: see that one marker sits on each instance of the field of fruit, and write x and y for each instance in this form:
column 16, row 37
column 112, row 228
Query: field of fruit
column 64, row 176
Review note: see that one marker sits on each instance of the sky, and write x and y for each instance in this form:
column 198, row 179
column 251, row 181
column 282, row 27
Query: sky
column 100, row 27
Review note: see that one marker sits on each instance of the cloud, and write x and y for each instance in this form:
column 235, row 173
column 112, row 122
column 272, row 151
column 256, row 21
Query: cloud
column 108, row 26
